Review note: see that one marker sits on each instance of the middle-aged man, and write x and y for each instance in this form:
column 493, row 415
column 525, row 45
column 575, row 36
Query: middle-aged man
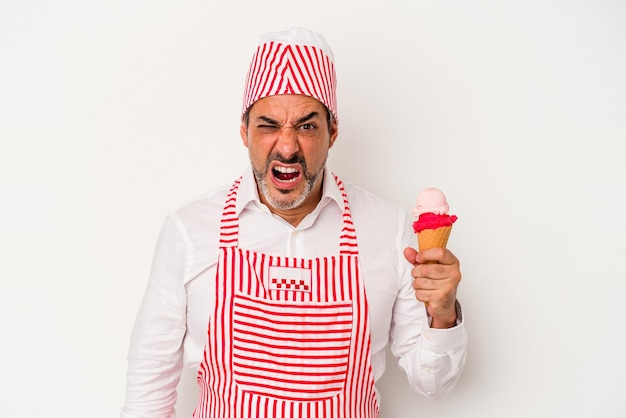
column 284, row 288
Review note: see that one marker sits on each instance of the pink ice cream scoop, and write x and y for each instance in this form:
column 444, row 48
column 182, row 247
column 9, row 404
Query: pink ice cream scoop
column 431, row 210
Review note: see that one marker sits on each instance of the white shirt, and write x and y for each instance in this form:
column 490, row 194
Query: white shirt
column 171, row 327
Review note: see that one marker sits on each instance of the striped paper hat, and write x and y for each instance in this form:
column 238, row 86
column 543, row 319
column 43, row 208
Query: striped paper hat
column 292, row 61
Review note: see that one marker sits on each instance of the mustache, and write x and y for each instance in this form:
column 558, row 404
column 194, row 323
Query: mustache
column 294, row 159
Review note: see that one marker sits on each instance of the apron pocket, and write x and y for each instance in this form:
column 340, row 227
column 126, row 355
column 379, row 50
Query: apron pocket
column 291, row 351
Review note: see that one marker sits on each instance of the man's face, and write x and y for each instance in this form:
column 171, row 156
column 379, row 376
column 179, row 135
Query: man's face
column 288, row 139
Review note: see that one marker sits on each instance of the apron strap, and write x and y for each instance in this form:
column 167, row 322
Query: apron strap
column 347, row 240
column 229, row 226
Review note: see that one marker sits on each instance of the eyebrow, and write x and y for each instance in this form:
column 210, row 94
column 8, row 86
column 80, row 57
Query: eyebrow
column 307, row 117
column 303, row 119
column 268, row 120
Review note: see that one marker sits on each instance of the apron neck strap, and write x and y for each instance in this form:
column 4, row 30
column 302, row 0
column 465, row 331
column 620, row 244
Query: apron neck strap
column 229, row 225
column 347, row 240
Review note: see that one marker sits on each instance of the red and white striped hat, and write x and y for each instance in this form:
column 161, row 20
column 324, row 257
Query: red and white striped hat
column 292, row 61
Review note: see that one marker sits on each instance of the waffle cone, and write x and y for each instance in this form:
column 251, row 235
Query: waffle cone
column 432, row 238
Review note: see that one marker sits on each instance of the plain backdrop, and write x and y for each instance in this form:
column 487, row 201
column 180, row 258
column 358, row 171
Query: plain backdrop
column 113, row 113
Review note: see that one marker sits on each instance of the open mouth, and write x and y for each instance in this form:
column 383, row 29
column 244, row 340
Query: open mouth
column 286, row 174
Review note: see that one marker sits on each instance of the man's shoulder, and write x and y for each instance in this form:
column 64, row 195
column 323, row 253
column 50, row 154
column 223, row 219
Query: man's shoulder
column 374, row 213
column 205, row 206
column 363, row 199
column 381, row 224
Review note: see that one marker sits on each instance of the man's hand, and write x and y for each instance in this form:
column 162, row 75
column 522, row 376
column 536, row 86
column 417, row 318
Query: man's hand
column 436, row 276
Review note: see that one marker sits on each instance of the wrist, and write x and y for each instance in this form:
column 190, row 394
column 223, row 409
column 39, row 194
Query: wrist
column 448, row 318
column 443, row 323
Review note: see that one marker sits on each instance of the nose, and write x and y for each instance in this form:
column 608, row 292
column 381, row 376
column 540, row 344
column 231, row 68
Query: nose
column 287, row 143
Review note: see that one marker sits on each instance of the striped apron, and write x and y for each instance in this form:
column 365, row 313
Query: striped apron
column 289, row 337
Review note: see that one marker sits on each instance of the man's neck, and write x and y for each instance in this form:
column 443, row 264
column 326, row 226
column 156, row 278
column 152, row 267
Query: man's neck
column 296, row 215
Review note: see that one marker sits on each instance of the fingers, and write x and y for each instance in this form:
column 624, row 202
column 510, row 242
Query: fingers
column 424, row 283
column 436, row 255
column 426, row 289
column 438, row 295
column 434, row 270
column 431, row 255
column 411, row 255
column 436, row 276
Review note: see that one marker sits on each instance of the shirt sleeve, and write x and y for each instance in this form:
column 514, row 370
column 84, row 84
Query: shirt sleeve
column 156, row 350
column 432, row 359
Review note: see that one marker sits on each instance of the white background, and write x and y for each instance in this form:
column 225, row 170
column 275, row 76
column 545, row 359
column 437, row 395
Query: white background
column 113, row 113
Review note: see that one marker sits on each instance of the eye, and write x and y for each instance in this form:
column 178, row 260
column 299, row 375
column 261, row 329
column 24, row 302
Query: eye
column 307, row 126
column 266, row 127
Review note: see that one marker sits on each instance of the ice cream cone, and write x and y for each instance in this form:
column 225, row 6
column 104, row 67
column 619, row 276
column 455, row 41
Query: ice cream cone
column 433, row 222
column 432, row 238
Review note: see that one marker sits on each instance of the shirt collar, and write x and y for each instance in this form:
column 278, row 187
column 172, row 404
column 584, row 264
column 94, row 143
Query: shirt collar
column 248, row 193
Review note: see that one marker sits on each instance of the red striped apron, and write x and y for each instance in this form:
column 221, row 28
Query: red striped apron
column 289, row 337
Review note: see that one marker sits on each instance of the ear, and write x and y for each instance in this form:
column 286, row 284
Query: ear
column 243, row 131
column 334, row 131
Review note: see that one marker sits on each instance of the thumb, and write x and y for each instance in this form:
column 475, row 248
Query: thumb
column 411, row 255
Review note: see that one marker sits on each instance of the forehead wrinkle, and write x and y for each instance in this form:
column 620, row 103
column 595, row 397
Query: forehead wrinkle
column 303, row 119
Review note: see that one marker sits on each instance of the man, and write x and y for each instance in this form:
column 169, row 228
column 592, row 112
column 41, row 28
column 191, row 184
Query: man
column 284, row 288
